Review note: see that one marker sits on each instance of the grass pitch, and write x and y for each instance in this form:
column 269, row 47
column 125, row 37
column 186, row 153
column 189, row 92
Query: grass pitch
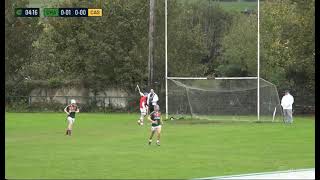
column 113, row 146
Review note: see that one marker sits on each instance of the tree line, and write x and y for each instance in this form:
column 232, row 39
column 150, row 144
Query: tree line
column 204, row 39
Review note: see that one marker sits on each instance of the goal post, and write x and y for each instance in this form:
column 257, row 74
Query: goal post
column 259, row 90
column 222, row 99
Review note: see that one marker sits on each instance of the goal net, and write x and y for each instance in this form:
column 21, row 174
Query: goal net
column 222, row 99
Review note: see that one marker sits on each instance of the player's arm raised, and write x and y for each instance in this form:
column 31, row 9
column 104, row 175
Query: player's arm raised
column 65, row 110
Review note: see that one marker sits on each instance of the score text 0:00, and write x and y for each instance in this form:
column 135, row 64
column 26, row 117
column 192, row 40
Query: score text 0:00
column 81, row 12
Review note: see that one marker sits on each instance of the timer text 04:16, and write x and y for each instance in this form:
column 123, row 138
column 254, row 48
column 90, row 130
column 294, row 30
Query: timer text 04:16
column 27, row 12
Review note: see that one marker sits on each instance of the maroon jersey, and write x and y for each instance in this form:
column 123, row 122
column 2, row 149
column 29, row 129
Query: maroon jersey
column 156, row 116
column 72, row 110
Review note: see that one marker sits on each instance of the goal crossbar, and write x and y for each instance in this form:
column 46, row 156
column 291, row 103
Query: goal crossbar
column 212, row 78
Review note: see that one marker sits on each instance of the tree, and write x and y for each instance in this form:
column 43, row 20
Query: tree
column 97, row 52
column 195, row 30
column 286, row 46
column 239, row 53
column 20, row 33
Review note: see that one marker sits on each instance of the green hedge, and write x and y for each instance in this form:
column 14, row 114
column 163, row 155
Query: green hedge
column 21, row 104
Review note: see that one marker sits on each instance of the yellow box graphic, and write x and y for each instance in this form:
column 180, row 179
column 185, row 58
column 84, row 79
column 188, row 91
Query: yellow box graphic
column 94, row 12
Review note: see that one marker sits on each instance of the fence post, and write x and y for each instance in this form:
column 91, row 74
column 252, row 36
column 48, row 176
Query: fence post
column 29, row 101
column 104, row 104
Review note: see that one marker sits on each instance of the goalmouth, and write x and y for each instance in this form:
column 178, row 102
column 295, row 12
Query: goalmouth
column 222, row 99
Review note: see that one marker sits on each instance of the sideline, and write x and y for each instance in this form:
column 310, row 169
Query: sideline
column 289, row 174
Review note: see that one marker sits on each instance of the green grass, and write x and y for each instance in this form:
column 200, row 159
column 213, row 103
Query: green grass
column 114, row 146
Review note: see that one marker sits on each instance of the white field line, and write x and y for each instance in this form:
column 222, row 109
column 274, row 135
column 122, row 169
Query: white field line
column 290, row 174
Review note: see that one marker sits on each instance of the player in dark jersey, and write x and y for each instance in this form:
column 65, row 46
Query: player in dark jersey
column 156, row 122
column 71, row 111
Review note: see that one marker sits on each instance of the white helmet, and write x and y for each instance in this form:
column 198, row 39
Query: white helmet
column 73, row 101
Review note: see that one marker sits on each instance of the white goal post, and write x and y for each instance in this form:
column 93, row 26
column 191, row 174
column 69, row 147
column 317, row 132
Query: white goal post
column 258, row 64
column 222, row 98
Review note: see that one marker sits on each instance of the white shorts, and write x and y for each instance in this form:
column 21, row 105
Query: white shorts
column 70, row 119
column 153, row 128
column 143, row 111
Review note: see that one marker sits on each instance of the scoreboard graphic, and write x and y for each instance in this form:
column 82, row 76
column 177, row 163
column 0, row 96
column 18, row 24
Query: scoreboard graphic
column 58, row 12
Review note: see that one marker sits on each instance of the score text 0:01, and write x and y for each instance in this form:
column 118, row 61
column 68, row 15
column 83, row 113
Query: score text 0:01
column 66, row 12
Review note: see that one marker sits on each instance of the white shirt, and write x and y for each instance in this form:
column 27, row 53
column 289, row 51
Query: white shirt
column 287, row 101
column 154, row 100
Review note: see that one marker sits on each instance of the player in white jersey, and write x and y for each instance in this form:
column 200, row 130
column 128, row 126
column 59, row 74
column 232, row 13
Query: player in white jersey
column 152, row 100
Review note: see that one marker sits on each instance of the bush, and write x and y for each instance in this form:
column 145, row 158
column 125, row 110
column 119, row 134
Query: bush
column 22, row 104
column 46, row 107
column 17, row 104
